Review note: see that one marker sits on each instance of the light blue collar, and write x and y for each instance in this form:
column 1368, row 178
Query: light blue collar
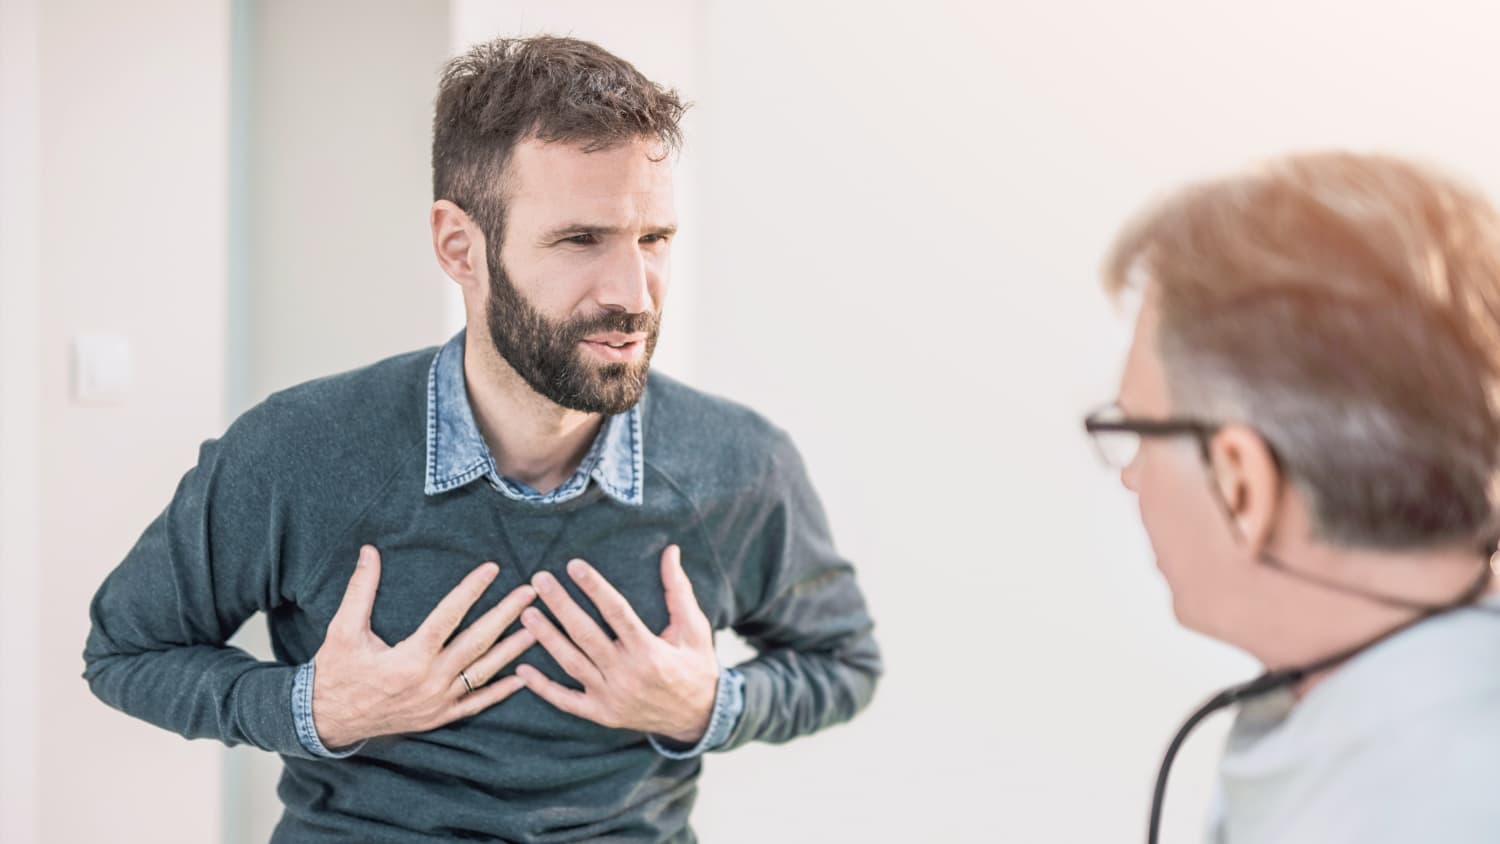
column 457, row 453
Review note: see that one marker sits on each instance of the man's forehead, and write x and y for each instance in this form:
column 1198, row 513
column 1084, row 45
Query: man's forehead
column 641, row 167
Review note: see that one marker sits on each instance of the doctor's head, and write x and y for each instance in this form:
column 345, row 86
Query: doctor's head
column 1312, row 379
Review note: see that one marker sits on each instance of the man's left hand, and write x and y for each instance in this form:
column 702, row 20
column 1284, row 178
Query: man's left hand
column 638, row 681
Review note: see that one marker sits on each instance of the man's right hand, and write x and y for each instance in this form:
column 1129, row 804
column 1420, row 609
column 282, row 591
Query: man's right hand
column 363, row 687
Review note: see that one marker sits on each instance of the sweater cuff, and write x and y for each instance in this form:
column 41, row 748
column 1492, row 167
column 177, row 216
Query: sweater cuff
column 729, row 704
column 302, row 716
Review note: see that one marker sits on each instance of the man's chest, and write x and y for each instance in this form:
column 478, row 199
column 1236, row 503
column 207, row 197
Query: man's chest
column 425, row 552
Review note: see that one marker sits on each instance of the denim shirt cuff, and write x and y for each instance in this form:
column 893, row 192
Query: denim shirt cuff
column 302, row 716
column 729, row 704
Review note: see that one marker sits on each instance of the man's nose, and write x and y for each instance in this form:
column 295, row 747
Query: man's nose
column 626, row 285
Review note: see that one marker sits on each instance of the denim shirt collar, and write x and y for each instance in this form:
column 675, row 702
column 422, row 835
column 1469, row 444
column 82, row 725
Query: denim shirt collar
column 457, row 453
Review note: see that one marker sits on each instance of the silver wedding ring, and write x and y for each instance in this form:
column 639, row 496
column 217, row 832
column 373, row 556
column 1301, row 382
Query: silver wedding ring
column 464, row 677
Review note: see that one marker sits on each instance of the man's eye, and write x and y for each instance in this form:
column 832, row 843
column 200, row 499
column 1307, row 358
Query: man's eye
column 654, row 238
column 581, row 240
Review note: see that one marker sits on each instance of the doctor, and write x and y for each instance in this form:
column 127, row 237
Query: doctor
column 1308, row 420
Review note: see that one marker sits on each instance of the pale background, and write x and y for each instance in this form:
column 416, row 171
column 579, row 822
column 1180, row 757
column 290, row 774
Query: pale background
column 893, row 215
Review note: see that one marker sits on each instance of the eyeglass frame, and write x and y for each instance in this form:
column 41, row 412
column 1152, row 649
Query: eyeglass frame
column 1201, row 430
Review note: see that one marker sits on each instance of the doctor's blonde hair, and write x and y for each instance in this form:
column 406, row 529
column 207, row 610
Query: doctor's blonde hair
column 1347, row 307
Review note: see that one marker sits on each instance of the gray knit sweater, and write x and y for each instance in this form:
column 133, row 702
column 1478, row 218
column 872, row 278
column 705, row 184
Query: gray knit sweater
column 271, row 520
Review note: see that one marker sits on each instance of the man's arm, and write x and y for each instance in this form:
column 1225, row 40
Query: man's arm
column 159, row 621
column 212, row 559
column 818, row 662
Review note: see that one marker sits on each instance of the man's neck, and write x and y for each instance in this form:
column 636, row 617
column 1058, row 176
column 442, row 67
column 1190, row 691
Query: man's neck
column 1430, row 578
column 533, row 440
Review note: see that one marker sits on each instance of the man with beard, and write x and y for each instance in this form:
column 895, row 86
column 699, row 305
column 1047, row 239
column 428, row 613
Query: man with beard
column 641, row 514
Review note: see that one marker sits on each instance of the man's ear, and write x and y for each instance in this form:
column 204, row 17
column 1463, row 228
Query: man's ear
column 1248, row 481
column 460, row 247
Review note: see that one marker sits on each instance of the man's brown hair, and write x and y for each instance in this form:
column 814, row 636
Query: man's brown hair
column 505, row 91
column 1347, row 307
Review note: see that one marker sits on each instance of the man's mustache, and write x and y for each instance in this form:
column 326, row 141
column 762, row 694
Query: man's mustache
column 615, row 321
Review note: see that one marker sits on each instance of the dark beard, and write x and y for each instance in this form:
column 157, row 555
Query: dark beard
column 547, row 356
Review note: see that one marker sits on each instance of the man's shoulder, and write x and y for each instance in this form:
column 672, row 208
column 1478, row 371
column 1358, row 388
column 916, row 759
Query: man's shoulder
column 344, row 415
column 692, row 432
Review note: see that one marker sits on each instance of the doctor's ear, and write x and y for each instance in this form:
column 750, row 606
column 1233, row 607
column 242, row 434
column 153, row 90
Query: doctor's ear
column 1248, row 479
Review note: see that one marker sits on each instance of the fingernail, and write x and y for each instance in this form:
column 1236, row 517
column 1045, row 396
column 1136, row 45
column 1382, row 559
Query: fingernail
column 543, row 582
column 531, row 616
column 578, row 569
column 490, row 571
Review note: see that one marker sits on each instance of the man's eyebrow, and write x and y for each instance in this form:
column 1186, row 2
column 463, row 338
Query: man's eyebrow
column 575, row 229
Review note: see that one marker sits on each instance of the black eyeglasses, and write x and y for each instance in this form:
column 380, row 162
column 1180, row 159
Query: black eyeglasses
column 1117, row 437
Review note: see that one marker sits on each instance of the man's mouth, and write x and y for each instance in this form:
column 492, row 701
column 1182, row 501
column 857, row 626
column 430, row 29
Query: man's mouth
column 615, row 339
column 616, row 347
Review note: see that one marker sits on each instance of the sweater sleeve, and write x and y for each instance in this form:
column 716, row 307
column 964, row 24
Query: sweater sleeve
column 156, row 648
column 817, row 662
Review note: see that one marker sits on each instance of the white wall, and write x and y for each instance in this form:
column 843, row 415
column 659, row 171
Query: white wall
column 340, row 265
column 20, row 416
column 112, row 178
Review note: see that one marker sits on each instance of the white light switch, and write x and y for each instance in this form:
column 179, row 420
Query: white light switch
column 101, row 368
